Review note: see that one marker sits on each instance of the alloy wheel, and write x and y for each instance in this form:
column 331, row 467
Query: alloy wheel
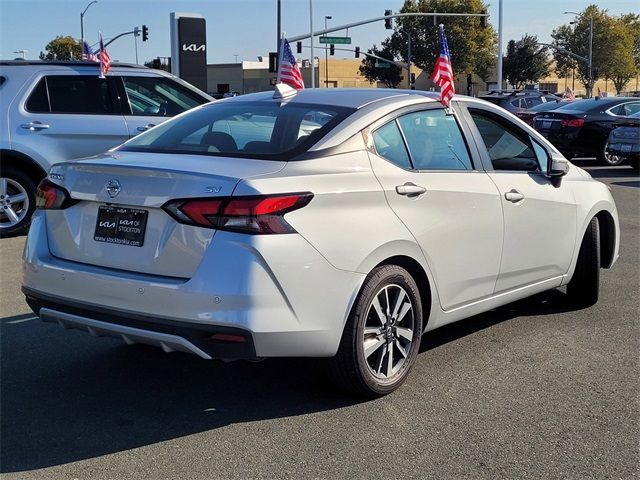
column 388, row 331
column 14, row 203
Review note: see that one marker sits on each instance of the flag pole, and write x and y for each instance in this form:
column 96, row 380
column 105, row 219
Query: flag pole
column 101, row 76
column 281, row 51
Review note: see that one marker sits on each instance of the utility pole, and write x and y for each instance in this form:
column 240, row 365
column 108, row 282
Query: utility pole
column 279, row 39
column 313, row 67
column 499, row 65
column 409, row 59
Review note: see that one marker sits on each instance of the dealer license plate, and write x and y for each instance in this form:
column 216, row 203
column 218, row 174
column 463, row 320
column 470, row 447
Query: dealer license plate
column 124, row 226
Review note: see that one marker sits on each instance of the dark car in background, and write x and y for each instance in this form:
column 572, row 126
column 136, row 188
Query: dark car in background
column 527, row 116
column 519, row 101
column 582, row 127
column 624, row 140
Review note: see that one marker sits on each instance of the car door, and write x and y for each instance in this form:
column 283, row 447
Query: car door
column 452, row 209
column 67, row 115
column 151, row 99
column 539, row 214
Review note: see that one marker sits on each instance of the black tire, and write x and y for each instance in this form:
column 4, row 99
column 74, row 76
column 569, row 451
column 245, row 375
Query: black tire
column 17, row 180
column 350, row 369
column 584, row 287
column 608, row 159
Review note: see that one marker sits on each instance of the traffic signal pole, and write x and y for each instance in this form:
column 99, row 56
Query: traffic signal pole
column 377, row 19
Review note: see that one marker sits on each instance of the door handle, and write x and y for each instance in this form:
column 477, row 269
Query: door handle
column 410, row 189
column 35, row 125
column 514, row 195
column 145, row 128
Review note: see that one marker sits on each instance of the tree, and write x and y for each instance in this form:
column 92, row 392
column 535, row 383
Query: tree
column 564, row 64
column 613, row 44
column 525, row 61
column 62, row 48
column 472, row 46
column 390, row 76
column 632, row 22
column 622, row 68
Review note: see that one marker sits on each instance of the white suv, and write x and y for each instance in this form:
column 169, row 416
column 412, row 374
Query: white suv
column 59, row 111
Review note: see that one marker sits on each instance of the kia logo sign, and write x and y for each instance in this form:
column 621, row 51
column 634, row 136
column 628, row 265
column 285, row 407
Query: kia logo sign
column 193, row 48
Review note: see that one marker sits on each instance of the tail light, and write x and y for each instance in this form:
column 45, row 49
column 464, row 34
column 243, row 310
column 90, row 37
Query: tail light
column 262, row 214
column 574, row 122
column 50, row 196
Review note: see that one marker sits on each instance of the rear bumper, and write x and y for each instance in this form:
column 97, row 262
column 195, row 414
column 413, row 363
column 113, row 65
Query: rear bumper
column 279, row 292
column 206, row 341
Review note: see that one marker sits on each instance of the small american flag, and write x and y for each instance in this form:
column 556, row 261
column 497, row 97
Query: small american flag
column 443, row 73
column 104, row 58
column 87, row 53
column 288, row 70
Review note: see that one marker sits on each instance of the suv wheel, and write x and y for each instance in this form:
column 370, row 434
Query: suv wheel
column 17, row 202
column 382, row 336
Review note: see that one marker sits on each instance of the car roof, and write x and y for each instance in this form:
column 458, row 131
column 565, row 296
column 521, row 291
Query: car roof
column 63, row 63
column 345, row 97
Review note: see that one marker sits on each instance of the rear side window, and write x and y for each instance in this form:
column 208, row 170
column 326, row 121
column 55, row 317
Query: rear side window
column 79, row 94
column 265, row 130
column 390, row 145
column 156, row 96
column 435, row 141
column 38, row 101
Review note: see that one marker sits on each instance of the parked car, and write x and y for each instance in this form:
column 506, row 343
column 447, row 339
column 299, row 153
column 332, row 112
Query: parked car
column 528, row 115
column 582, row 127
column 624, row 140
column 519, row 100
column 58, row 111
column 240, row 230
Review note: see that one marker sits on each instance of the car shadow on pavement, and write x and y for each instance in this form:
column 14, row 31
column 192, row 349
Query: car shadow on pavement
column 602, row 171
column 67, row 397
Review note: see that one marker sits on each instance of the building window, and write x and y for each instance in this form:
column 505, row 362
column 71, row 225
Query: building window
column 551, row 87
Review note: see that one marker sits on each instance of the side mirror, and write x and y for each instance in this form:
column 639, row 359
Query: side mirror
column 557, row 167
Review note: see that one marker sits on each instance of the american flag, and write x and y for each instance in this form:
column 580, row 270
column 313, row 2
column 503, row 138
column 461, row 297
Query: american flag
column 104, row 58
column 87, row 53
column 288, row 70
column 443, row 73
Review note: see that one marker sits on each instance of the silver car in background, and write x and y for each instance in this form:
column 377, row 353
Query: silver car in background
column 59, row 111
column 327, row 223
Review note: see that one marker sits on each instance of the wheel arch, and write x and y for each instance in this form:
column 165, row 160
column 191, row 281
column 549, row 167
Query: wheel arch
column 22, row 162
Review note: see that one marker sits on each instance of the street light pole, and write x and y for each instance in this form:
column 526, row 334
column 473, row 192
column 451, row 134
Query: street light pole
column 313, row 67
column 326, row 56
column 499, row 65
column 409, row 58
column 82, row 25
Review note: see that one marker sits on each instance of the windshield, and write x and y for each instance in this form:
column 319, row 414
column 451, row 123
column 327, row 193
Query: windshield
column 549, row 105
column 265, row 130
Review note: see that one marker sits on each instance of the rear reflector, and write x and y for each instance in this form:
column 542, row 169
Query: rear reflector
column 262, row 214
column 224, row 337
column 50, row 196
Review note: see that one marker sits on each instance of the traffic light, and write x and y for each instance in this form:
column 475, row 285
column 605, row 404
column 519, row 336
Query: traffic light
column 145, row 33
column 332, row 49
column 357, row 52
column 299, row 47
column 387, row 21
column 483, row 20
column 273, row 62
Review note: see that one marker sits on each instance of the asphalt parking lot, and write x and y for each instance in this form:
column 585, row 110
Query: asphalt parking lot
column 531, row 390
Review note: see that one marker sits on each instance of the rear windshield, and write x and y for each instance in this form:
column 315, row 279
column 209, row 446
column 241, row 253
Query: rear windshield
column 264, row 130
column 585, row 105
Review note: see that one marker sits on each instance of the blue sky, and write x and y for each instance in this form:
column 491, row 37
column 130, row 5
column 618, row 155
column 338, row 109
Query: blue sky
column 243, row 27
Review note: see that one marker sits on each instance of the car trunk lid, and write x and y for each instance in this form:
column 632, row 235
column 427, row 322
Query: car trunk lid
column 125, row 191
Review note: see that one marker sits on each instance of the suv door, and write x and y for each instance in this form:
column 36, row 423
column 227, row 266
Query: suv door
column 452, row 209
column 151, row 99
column 539, row 216
column 66, row 115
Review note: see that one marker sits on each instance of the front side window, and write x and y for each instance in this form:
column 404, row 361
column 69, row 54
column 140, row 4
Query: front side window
column 155, row 96
column 435, row 141
column 86, row 94
column 266, row 130
column 508, row 148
